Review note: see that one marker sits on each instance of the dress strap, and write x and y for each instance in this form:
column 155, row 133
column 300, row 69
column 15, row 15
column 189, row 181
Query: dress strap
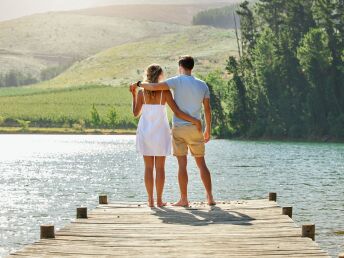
column 144, row 98
column 161, row 97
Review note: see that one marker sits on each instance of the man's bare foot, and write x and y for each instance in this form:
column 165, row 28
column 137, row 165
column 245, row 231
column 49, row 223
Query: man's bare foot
column 151, row 202
column 211, row 201
column 161, row 204
column 181, row 203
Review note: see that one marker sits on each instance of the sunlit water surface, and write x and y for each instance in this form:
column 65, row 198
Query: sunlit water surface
column 44, row 178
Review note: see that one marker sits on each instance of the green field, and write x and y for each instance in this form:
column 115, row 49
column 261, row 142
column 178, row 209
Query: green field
column 65, row 107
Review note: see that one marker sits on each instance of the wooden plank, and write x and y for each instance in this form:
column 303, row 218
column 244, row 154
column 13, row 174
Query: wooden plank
column 249, row 228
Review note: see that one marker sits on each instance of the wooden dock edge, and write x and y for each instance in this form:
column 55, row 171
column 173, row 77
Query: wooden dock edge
column 48, row 231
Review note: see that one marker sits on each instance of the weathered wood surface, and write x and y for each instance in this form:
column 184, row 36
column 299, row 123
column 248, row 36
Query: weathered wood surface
column 254, row 228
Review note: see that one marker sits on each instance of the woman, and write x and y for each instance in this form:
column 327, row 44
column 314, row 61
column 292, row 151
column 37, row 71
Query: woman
column 153, row 138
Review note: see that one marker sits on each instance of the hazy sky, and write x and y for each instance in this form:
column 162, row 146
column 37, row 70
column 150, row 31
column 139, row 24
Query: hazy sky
column 10, row 9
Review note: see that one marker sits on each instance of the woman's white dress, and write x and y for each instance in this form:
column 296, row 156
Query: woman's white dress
column 153, row 137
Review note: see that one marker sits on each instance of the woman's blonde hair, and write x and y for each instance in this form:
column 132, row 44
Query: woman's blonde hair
column 152, row 75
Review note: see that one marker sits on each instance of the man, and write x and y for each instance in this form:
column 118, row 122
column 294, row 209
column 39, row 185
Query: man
column 189, row 94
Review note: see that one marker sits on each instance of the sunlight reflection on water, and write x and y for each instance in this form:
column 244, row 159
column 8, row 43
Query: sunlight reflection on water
column 43, row 178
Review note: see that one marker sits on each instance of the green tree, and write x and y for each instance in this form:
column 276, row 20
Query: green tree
column 288, row 79
column 23, row 124
column 112, row 118
column 217, row 87
column 329, row 15
column 95, row 117
column 2, row 120
column 237, row 98
column 219, row 17
column 315, row 59
column 248, row 27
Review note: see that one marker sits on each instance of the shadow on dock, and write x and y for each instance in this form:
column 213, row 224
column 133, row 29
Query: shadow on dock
column 198, row 217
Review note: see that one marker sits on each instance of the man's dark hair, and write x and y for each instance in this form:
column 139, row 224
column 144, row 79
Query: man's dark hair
column 187, row 62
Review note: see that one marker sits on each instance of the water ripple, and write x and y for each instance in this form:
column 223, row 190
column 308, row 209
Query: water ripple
column 44, row 178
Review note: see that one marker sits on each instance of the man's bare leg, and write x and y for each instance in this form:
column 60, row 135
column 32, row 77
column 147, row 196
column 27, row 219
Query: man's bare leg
column 149, row 178
column 160, row 179
column 206, row 179
column 183, row 181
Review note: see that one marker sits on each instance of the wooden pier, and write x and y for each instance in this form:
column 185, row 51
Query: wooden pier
column 254, row 228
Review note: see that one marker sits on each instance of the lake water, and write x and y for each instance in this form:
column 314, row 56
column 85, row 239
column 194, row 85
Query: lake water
column 43, row 178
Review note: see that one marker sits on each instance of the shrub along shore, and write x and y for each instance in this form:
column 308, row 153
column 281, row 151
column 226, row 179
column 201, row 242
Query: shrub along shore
column 37, row 130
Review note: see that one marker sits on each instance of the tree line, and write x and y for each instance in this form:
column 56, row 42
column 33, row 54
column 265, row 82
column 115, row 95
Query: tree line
column 15, row 78
column 287, row 80
column 219, row 17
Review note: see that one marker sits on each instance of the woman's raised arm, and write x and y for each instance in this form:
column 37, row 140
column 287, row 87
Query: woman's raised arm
column 137, row 102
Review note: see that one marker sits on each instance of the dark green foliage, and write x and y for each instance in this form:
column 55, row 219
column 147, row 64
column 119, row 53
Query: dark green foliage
column 217, row 101
column 52, row 72
column 95, row 117
column 24, row 125
column 15, row 78
column 112, row 118
column 289, row 79
column 219, row 17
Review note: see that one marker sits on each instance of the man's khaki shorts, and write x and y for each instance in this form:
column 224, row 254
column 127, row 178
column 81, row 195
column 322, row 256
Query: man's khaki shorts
column 188, row 137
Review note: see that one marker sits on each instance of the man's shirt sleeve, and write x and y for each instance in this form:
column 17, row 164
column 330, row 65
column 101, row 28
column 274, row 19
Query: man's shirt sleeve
column 172, row 82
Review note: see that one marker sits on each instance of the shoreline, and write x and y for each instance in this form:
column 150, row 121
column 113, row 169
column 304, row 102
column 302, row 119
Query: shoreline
column 295, row 140
column 71, row 131
column 66, row 131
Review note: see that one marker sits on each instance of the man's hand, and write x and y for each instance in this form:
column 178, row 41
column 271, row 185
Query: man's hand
column 206, row 135
column 199, row 126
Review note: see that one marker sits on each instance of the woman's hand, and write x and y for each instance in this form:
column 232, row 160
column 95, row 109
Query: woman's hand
column 133, row 87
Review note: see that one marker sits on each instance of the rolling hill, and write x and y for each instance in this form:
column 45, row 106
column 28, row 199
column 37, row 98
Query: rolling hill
column 125, row 63
column 34, row 43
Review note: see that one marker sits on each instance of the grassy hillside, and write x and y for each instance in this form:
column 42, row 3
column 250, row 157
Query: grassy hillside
column 33, row 43
column 125, row 63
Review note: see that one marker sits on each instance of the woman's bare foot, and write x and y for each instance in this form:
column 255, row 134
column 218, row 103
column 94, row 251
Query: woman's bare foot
column 151, row 202
column 181, row 203
column 211, row 201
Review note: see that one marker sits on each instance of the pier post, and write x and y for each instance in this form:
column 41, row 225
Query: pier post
column 103, row 199
column 287, row 211
column 308, row 231
column 47, row 231
column 273, row 197
column 81, row 213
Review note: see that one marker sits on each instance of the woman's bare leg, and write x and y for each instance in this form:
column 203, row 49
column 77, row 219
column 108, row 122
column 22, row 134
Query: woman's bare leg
column 149, row 179
column 160, row 179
